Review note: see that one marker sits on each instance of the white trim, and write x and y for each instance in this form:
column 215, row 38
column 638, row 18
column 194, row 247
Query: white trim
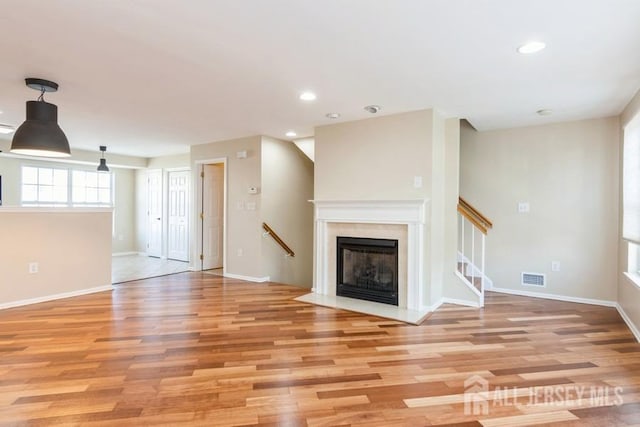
column 247, row 278
column 371, row 211
column 36, row 209
column 116, row 254
column 488, row 283
column 578, row 300
column 56, row 296
column 627, row 320
column 468, row 283
column 456, row 301
column 633, row 278
column 197, row 202
column 411, row 213
column 434, row 307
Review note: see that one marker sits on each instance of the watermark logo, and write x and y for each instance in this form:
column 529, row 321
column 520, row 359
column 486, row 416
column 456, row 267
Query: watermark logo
column 478, row 399
column 476, row 396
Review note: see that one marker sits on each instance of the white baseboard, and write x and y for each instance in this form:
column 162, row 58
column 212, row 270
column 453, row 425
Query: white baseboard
column 627, row 320
column 124, row 253
column 466, row 303
column 433, row 307
column 56, row 296
column 604, row 303
column 247, row 278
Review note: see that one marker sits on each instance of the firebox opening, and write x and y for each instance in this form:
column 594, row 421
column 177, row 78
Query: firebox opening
column 367, row 269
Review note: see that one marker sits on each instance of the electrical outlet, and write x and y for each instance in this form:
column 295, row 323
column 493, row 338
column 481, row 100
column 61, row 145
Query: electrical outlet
column 555, row 265
column 417, row 181
column 523, row 207
column 33, row 267
column 240, row 252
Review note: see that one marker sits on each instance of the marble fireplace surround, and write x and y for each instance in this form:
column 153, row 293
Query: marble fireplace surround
column 403, row 220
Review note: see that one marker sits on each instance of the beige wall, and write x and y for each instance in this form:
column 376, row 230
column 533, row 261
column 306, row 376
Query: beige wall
column 124, row 210
column 72, row 248
column 287, row 187
column 628, row 292
column 453, row 289
column 378, row 158
column 374, row 159
column 123, row 238
column 569, row 173
column 243, row 227
column 170, row 162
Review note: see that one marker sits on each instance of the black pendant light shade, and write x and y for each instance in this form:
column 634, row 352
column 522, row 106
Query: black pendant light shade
column 102, row 167
column 40, row 134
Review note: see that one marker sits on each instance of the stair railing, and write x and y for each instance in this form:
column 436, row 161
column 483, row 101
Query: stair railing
column 269, row 232
column 472, row 223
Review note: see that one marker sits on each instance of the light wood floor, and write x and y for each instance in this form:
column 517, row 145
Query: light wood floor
column 196, row 349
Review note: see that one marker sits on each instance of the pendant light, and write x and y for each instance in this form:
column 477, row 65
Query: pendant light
column 102, row 167
column 40, row 134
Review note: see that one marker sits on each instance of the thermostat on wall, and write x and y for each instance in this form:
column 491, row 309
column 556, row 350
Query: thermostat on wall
column 241, row 154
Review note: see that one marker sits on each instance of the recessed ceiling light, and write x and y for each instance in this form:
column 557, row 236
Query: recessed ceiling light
column 332, row 115
column 291, row 134
column 308, row 96
column 544, row 112
column 372, row 108
column 531, row 47
column 6, row 129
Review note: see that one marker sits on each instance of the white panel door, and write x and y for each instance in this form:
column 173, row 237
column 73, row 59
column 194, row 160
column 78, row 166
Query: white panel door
column 178, row 221
column 212, row 216
column 154, row 242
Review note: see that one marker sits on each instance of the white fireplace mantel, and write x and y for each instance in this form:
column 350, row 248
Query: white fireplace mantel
column 371, row 211
column 411, row 213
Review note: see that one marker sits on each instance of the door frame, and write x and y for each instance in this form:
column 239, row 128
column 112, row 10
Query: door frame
column 196, row 224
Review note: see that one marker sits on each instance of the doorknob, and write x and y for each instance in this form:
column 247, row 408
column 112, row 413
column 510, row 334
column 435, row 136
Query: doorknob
column 158, row 219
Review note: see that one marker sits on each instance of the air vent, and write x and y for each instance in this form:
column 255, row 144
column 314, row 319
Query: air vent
column 533, row 279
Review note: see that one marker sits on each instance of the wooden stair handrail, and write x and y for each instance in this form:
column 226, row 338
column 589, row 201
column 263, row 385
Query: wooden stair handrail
column 278, row 240
column 481, row 222
column 475, row 212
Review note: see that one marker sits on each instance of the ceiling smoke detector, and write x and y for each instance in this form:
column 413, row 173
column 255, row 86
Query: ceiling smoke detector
column 333, row 115
column 372, row 108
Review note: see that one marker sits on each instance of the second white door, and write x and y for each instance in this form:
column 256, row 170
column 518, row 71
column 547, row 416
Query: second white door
column 212, row 216
column 178, row 218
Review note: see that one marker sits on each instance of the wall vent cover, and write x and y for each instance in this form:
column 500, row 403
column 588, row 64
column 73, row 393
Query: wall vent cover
column 534, row 279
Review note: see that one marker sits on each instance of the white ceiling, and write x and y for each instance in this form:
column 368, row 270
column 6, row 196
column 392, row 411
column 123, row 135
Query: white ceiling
column 151, row 77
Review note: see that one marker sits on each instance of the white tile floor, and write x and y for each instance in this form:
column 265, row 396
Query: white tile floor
column 135, row 267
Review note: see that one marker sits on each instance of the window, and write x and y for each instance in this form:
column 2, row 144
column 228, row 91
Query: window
column 631, row 196
column 45, row 186
column 91, row 188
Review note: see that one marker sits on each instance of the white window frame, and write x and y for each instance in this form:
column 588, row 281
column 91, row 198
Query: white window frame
column 69, row 203
column 631, row 197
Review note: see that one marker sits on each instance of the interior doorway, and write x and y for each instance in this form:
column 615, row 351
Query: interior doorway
column 212, row 215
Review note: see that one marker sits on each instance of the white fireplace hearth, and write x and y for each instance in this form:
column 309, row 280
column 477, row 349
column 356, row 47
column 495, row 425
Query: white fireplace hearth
column 402, row 220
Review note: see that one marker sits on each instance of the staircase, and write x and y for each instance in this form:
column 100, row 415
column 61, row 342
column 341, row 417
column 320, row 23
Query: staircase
column 473, row 228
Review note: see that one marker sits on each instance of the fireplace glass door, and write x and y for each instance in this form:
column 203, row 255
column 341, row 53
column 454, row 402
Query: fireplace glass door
column 368, row 269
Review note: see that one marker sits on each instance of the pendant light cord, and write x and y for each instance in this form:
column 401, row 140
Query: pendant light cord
column 42, row 91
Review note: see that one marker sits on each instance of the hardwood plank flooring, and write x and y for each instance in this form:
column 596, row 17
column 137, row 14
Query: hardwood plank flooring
column 199, row 350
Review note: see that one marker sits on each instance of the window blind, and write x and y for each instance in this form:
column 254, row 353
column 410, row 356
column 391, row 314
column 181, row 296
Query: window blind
column 631, row 182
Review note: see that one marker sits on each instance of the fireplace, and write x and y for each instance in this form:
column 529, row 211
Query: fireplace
column 367, row 269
